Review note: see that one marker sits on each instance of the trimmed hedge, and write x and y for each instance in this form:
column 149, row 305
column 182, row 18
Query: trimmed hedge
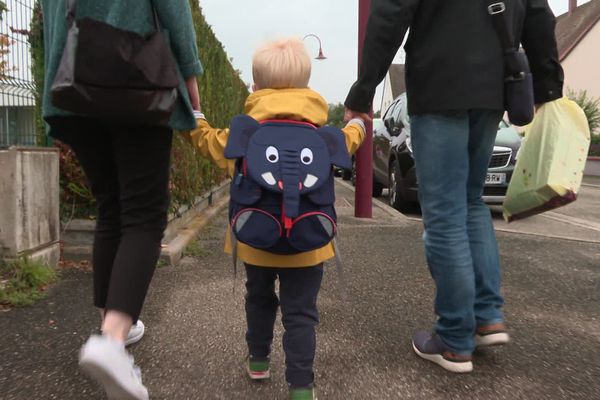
column 223, row 95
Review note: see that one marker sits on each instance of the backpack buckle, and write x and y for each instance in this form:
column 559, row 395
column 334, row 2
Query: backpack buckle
column 497, row 8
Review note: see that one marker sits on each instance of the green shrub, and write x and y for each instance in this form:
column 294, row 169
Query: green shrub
column 223, row 95
column 36, row 42
column 595, row 146
column 591, row 108
column 23, row 282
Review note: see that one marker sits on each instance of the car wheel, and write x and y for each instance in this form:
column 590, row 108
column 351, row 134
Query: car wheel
column 377, row 188
column 346, row 174
column 397, row 200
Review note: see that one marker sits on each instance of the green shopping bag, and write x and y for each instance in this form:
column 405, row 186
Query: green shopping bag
column 551, row 161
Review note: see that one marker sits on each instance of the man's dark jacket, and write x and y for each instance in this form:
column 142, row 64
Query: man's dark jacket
column 454, row 57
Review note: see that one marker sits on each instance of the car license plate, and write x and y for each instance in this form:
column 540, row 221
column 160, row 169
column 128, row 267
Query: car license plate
column 495, row 179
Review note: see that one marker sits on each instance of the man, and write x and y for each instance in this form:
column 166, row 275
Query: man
column 455, row 80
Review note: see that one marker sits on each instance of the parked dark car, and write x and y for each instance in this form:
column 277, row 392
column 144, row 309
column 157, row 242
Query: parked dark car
column 394, row 166
column 350, row 174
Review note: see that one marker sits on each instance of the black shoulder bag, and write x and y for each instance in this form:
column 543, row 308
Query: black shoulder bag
column 110, row 73
column 518, row 82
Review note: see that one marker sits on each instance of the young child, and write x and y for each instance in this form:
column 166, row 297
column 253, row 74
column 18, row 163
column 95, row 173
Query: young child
column 281, row 71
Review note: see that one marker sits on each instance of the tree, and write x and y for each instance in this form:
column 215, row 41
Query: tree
column 336, row 115
column 5, row 43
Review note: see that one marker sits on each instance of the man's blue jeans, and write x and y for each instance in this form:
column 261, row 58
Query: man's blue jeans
column 452, row 151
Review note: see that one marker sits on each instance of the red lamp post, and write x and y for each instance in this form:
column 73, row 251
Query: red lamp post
column 363, row 197
column 321, row 56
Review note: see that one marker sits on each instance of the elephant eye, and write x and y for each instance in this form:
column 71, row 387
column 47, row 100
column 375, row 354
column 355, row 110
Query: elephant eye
column 272, row 154
column 306, row 156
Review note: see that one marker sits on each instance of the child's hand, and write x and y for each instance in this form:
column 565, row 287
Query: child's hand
column 351, row 114
column 199, row 115
column 359, row 122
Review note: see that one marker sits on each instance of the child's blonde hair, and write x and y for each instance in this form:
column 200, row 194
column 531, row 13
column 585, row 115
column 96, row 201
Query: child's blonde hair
column 281, row 64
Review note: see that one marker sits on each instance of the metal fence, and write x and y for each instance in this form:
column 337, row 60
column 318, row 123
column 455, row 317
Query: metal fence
column 17, row 88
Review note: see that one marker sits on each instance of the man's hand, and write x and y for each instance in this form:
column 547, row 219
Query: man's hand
column 193, row 92
column 351, row 114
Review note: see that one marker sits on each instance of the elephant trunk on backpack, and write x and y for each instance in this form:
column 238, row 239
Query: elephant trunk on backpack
column 290, row 183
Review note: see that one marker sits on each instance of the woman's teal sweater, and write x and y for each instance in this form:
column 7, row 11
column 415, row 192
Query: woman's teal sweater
column 133, row 15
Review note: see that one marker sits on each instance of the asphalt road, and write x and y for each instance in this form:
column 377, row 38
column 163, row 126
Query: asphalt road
column 194, row 345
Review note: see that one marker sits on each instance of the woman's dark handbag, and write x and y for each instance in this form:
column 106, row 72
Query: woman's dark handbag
column 518, row 82
column 110, row 73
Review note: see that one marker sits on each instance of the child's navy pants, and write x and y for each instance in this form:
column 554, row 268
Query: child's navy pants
column 298, row 290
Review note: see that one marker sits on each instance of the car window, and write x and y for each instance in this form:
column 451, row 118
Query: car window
column 386, row 113
column 390, row 111
column 400, row 111
column 403, row 110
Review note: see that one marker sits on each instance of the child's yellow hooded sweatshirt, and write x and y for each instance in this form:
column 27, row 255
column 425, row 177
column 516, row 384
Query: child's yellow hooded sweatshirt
column 294, row 104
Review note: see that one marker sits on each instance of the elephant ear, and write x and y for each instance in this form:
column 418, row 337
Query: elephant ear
column 241, row 129
column 336, row 143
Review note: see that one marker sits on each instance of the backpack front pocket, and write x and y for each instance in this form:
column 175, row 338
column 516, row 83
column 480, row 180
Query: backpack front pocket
column 311, row 231
column 256, row 228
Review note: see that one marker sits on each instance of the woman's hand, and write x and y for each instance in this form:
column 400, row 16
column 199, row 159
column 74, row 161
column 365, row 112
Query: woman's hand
column 192, row 88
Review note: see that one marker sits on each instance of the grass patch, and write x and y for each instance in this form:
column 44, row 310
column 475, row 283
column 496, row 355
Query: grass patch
column 23, row 282
column 195, row 250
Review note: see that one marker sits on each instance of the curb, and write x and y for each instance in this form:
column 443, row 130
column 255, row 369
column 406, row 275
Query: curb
column 172, row 252
column 187, row 221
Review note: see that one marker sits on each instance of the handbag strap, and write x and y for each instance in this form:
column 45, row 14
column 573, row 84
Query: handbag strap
column 497, row 11
column 156, row 20
column 72, row 9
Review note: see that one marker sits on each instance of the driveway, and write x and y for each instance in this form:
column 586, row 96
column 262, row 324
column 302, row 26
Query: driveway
column 577, row 221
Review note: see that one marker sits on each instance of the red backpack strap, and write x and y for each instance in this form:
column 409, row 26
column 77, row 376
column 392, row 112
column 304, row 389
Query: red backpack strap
column 288, row 121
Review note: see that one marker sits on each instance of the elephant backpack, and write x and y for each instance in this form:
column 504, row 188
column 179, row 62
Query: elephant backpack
column 282, row 194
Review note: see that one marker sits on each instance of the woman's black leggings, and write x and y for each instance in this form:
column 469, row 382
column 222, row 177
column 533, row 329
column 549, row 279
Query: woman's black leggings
column 128, row 170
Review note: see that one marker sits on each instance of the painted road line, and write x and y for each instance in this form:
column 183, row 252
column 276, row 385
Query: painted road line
column 595, row 226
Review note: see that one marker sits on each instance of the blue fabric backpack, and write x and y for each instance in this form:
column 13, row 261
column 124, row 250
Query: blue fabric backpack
column 282, row 193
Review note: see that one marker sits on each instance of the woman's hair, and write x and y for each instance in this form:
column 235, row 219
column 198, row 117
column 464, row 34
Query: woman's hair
column 281, row 64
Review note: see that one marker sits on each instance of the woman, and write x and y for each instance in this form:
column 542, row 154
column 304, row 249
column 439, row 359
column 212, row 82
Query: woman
column 127, row 166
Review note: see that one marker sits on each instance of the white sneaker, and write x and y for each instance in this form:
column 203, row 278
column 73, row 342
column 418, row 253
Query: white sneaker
column 107, row 361
column 135, row 333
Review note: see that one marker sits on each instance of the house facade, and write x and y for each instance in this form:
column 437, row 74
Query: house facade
column 578, row 39
column 393, row 86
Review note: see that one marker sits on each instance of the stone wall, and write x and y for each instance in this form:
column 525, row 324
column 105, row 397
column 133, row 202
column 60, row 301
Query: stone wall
column 29, row 204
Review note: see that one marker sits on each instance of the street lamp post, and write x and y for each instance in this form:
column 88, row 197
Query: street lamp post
column 363, row 197
column 320, row 57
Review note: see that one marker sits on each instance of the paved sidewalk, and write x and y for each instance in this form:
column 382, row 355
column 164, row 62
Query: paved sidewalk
column 194, row 345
